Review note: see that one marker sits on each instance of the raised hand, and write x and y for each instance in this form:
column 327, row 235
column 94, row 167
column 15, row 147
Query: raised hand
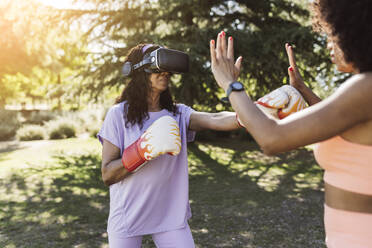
column 224, row 69
column 295, row 78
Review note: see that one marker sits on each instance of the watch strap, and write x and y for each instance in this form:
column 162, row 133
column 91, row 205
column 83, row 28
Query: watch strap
column 229, row 90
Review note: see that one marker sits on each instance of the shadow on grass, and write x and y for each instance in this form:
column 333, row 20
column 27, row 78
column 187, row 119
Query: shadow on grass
column 230, row 208
column 9, row 146
column 61, row 205
column 65, row 204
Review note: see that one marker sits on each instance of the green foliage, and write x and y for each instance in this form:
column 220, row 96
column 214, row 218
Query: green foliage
column 61, row 129
column 210, row 135
column 89, row 120
column 38, row 117
column 24, row 29
column 260, row 30
column 9, row 124
column 85, row 121
column 31, row 132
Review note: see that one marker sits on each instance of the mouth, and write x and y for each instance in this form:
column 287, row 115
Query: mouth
column 332, row 55
column 165, row 79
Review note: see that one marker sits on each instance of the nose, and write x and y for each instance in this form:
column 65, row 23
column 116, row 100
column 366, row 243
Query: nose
column 165, row 73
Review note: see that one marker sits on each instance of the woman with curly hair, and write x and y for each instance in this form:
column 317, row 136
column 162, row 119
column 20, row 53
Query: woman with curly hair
column 341, row 125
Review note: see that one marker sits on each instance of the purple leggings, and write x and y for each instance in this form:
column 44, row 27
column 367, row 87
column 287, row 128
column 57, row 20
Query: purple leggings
column 180, row 238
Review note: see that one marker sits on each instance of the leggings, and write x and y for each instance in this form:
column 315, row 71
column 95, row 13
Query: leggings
column 180, row 238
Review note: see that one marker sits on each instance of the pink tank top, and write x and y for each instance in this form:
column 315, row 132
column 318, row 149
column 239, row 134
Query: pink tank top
column 347, row 166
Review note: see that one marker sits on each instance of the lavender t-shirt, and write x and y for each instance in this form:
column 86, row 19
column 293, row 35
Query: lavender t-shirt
column 156, row 197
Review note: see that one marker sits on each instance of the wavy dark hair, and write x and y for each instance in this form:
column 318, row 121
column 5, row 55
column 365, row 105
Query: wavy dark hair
column 350, row 24
column 137, row 91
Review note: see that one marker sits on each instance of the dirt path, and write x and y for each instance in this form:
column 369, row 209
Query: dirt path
column 8, row 146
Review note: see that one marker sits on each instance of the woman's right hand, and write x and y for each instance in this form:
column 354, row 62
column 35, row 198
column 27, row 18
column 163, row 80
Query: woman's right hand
column 295, row 78
column 225, row 71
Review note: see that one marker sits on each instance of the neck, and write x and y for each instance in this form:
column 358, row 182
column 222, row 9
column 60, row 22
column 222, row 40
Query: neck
column 154, row 102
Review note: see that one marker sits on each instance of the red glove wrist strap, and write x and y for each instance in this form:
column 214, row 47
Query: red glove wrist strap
column 131, row 158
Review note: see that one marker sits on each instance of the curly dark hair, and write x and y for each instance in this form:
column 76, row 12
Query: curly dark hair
column 137, row 90
column 349, row 23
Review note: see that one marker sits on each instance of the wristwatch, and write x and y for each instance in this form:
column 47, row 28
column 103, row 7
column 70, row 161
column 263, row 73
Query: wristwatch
column 234, row 86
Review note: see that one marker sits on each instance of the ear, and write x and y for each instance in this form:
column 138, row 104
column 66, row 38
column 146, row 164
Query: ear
column 127, row 69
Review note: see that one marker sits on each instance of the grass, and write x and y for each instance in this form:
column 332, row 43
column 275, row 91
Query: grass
column 51, row 195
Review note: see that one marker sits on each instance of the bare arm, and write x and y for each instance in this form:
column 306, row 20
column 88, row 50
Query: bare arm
column 112, row 168
column 222, row 121
column 310, row 97
column 348, row 107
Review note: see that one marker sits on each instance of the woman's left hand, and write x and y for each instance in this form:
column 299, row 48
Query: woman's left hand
column 224, row 69
column 295, row 78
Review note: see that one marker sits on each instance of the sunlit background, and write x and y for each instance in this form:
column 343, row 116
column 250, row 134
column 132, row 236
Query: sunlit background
column 60, row 71
column 61, row 4
column 63, row 56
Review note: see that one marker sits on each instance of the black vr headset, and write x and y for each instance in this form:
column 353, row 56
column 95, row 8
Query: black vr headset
column 159, row 60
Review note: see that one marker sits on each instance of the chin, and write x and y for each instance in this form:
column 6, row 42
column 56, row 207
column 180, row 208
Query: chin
column 162, row 89
column 344, row 69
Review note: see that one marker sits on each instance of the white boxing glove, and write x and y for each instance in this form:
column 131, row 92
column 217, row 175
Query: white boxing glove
column 163, row 136
column 281, row 102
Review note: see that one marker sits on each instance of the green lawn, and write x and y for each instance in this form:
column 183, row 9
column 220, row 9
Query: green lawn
column 51, row 195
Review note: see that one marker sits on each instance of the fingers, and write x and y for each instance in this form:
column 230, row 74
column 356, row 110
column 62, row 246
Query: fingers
column 212, row 51
column 224, row 49
column 218, row 46
column 291, row 73
column 230, row 48
column 291, row 58
column 238, row 65
column 221, row 45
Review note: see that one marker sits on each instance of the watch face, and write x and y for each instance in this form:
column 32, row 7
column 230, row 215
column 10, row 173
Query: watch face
column 237, row 86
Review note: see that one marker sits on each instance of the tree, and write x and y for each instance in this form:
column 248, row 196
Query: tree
column 24, row 28
column 260, row 30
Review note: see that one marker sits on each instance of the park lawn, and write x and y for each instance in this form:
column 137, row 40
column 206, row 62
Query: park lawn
column 51, row 195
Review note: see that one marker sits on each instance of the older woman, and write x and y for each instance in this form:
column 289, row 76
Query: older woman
column 154, row 199
column 340, row 124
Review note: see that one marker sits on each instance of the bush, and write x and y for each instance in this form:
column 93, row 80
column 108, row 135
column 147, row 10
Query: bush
column 9, row 124
column 85, row 121
column 61, row 129
column 31, row 132
column 210, row 135
column 90, row 120
column 38, row 117
column 93, row 132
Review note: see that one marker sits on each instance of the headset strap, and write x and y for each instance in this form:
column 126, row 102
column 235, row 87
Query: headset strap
column 146, row 47
column 142, row 63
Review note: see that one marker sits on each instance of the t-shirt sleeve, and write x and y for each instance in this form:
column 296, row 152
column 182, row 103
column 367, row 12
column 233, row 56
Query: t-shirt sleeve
column 109, row 130
column 186, row 112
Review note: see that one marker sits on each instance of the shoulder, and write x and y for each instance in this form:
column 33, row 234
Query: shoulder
column 360, row 82
column 356, row 93
column 183, row 107
column 366, row 79
column 117, row 108
column 115, row 111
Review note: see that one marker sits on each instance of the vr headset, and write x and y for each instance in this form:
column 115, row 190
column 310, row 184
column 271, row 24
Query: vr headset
column 159, row 60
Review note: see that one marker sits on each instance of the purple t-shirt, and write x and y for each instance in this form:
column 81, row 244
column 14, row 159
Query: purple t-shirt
column 156, row 197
